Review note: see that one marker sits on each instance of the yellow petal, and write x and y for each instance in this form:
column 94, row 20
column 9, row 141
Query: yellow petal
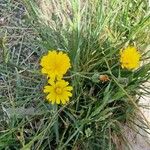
column 57, row 99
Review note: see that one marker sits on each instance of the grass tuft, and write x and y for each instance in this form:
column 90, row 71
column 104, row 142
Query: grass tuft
column 91, row 32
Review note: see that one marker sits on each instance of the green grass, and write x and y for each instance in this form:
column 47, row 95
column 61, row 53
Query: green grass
column 92, row 33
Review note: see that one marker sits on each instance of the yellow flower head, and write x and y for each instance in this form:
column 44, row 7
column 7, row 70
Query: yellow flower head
column 55, row 64
column 130, row 58
column 58, row 92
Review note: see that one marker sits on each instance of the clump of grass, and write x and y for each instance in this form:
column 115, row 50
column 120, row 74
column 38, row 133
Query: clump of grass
column 92, row 32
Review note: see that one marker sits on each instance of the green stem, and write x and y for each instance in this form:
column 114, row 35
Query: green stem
column 56, row 124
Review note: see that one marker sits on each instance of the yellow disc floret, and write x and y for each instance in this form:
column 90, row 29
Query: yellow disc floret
column 130, row 58
column 55, row 64
column 58, row 92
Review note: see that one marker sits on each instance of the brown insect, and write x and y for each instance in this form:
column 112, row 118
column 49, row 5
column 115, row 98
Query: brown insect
column 104, row 78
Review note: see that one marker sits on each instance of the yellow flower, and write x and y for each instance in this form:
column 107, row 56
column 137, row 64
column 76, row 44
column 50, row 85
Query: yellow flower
column 58, row 92
column 55, row 64
column 130, row 58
